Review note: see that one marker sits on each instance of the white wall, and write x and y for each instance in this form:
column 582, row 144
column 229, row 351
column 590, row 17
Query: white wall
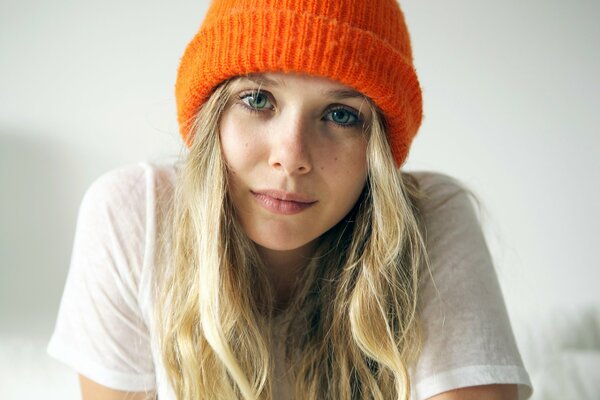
column 511, row 94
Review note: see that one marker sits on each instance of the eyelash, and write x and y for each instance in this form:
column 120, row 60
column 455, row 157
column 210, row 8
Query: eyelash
column 358, row 121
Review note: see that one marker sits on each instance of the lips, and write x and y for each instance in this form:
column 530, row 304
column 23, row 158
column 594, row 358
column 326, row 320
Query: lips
column 280, row 202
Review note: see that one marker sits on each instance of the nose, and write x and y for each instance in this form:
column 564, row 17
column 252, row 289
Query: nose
column 290, row 147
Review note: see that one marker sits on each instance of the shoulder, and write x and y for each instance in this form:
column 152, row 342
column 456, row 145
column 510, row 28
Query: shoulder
column 130, row 181
column 117, row 215
column 431, row 179
column 451, row 223
column 468, row 339
column 437, row 185
column 443, row 199
column 116, row 231
column 129, row 188
column 104, row 323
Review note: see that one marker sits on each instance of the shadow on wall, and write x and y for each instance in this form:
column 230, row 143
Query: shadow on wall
column 38, row 210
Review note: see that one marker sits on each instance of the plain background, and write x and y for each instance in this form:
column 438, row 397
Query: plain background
column 511, row 98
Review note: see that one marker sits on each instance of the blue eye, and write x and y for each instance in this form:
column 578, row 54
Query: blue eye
column 256, row 100
column 343, row 117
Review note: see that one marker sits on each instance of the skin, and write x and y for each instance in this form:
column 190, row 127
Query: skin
column 294, row 141
column 91, row 390
column 297, row 134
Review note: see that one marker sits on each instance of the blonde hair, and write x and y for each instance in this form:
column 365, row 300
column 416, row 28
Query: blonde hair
column 351, row 327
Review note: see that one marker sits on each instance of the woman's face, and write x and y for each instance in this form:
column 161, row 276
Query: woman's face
column 296, row 154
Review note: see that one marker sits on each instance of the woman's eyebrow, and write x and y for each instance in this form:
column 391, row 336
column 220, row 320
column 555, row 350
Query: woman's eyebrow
column 336, row 93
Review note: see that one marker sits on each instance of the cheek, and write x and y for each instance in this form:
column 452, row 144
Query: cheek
column 345, row 174
column 346, row 166
column 235, row 144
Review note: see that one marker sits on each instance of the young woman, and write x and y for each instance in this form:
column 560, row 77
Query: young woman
column 286, row 255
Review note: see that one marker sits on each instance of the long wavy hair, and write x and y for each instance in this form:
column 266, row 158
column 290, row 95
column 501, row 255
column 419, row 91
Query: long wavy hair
column 350, row 330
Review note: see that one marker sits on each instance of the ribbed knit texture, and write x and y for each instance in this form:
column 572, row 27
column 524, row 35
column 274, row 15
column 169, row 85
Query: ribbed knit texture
column 363, row 44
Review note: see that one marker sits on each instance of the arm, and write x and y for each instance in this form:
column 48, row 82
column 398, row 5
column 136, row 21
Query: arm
column 469, row 347
column 101, row 331
column 484, row 392
column 91, row 390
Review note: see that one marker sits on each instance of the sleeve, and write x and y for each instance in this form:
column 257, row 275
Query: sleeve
column 100, row 331
column 468, row 339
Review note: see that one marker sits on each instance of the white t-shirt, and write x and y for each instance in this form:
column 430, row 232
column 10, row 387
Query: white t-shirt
column 104, row 328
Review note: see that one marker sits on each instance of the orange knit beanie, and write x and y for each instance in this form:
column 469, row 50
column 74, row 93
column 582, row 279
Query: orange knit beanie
column 363, row 44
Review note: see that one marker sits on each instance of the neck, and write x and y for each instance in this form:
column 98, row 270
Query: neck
column 283, row 268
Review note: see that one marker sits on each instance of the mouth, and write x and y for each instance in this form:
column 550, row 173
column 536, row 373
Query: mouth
column 285, row 203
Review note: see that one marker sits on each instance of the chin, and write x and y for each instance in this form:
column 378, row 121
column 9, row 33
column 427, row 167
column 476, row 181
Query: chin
column 280, row 245
column 281, row 239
